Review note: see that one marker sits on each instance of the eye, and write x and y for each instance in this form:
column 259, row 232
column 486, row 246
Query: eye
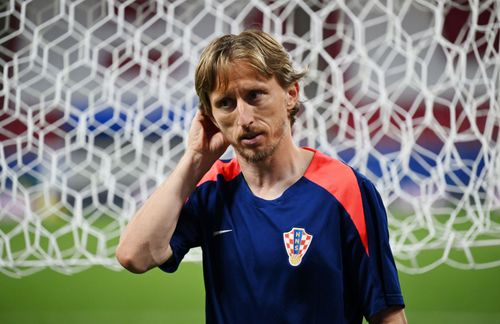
column 254, row 95
column 225, row 103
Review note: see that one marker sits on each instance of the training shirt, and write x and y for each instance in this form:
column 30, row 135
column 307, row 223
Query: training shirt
column 317, row 254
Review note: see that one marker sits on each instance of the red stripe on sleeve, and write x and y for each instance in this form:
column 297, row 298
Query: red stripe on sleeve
column 229, row 170
column 339, row 180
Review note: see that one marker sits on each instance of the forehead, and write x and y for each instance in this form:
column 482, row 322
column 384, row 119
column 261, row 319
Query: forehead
column 237, row 73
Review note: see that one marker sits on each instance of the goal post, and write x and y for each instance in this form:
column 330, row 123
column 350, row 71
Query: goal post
column 96, row 98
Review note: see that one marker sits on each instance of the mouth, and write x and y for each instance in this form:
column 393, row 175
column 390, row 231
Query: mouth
column 251, row 138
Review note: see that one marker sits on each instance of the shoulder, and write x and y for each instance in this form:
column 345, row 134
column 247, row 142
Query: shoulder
column 225, row 170
column 222, row 171
column 341, row 182
column 331, row 174
column 336, row 177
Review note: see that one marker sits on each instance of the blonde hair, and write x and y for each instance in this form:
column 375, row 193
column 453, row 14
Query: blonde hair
column 257, row 48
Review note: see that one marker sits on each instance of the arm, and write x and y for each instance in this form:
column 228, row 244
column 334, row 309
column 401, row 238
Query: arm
column 374, row 272
column 145, row 242
column 393, row 315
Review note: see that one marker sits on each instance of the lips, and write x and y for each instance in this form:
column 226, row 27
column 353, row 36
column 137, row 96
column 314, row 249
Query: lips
column 251, row 138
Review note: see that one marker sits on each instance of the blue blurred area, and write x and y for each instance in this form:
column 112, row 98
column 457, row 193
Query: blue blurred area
column 108, row 121
column 115, row 119
column 467, row 163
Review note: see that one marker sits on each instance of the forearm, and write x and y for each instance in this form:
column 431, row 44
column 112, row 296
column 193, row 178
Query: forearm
column 144, row 243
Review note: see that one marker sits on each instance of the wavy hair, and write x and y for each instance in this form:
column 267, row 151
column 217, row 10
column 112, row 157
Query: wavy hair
column 257, row 48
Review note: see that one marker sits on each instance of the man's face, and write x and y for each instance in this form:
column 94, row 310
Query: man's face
column 252, row 112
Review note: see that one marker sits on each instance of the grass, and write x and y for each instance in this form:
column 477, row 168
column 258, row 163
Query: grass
column 447, row 295
column 98, row 295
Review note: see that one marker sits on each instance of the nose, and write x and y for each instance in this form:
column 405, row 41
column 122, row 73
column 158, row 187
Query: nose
column 245, row 114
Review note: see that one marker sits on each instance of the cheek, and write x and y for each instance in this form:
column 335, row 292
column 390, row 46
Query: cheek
column 224, row 121
column 278, row 115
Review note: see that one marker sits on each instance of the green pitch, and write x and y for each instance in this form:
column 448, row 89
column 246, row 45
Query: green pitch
column 98, row 295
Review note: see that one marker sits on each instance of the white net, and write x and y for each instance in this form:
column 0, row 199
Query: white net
column 96, row 97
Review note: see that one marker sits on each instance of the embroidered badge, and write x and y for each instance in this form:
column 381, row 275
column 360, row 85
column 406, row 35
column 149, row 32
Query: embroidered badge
column 297, row 241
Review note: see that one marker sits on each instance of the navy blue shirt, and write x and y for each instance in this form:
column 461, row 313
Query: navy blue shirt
column 317, row 254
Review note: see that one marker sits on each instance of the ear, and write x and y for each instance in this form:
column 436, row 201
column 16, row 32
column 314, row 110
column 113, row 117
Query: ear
column 212, row 119
column 292, row 95
column 206, row 113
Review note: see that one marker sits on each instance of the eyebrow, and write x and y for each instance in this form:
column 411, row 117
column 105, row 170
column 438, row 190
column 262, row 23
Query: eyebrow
column 219, row 97
column 223, row 91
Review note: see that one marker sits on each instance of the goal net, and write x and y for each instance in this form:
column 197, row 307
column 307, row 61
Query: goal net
column 96, row 98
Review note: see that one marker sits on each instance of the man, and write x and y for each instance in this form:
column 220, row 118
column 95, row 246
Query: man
column 288, row 234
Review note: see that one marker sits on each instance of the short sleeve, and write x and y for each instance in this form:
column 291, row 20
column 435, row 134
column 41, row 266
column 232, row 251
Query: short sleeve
column 186, row 235
column 374, row 271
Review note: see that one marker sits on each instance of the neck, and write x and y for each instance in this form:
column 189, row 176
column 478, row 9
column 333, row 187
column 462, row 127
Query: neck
column 270, row 177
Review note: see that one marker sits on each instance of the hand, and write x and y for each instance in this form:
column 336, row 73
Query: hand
column 206, row 141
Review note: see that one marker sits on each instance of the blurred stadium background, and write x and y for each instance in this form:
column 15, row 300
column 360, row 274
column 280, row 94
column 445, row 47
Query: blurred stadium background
column 96, row 97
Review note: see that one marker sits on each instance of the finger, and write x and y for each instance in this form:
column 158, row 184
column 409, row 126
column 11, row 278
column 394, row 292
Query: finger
column 209, row 123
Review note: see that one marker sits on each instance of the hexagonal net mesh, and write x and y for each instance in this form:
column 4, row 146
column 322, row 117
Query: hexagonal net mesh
column 96, row 97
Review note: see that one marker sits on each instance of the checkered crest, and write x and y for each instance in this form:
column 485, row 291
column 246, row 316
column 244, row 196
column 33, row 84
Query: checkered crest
column 297, row 241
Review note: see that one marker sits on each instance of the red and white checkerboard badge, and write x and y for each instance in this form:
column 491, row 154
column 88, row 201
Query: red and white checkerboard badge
column 297, row 241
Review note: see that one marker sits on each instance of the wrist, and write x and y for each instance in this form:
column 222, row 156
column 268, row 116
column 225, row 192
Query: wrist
column 195, row 164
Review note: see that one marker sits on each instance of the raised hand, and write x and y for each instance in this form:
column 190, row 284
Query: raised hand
column 206, row 142
column 146, row 241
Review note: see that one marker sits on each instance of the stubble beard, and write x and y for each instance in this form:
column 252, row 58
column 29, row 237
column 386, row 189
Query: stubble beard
column 259, row 156
column 252, row 156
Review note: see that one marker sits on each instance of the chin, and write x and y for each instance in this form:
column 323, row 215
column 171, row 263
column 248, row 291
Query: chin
column 255, row 156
